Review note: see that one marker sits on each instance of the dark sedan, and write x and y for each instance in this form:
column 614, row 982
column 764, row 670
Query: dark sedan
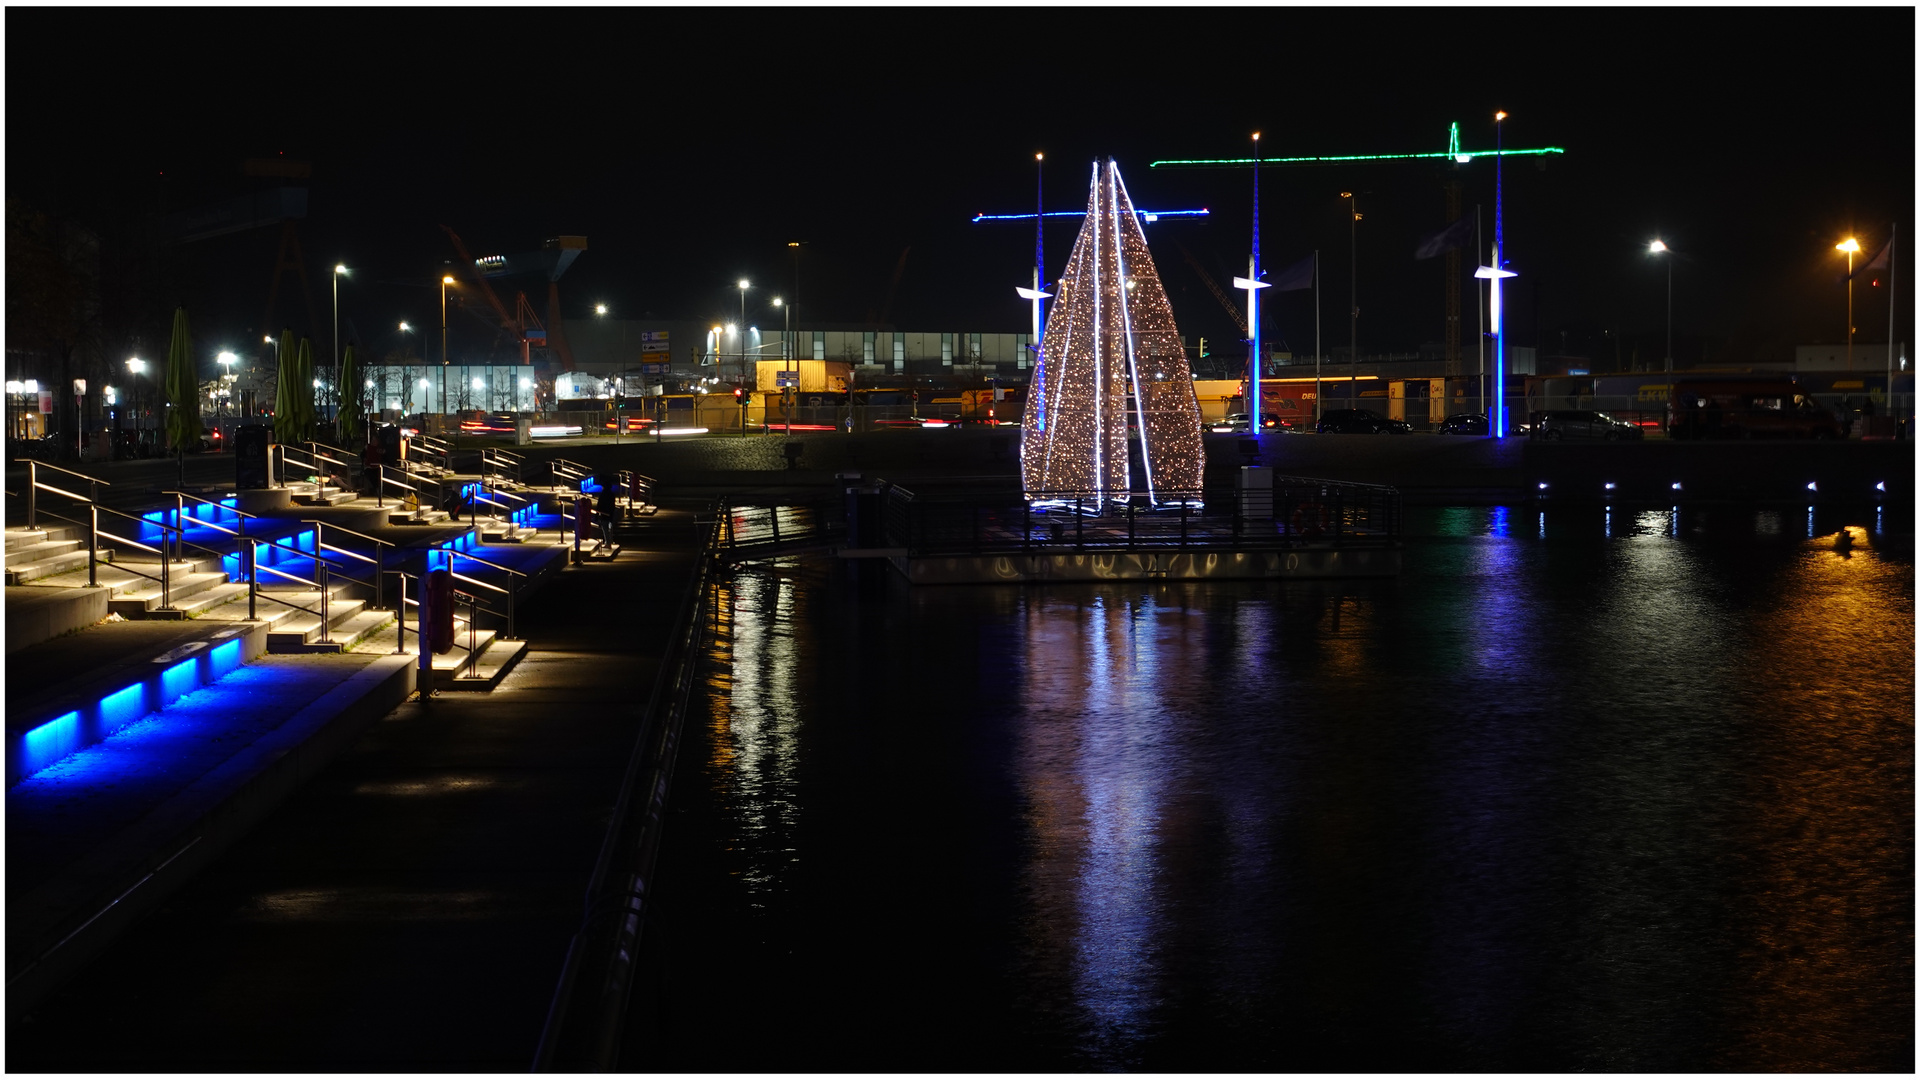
column 1463, row 424
column 1359, row 422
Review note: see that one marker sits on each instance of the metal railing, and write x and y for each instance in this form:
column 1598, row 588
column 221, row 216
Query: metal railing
column 494, row 462
column 567, row 473
column 35, row 486
column 428, row 447
column 378, row 559
column 511, row 591
column 760, row 530
column 427, row 490
column 589, row 1008
column 313, row 462
column 1295, row 511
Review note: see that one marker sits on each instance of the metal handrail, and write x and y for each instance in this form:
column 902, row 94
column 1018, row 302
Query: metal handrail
column 607, row 941
column 34, row 486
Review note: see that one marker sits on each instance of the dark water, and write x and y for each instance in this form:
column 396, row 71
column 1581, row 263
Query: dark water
column 1581, row 790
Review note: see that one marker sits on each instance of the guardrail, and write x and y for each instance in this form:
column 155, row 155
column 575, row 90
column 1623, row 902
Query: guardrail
column 567, row 473
column 494, row 461
column 589, row 1007
column 35, row 486
column 1295, row 511
column 511, row 591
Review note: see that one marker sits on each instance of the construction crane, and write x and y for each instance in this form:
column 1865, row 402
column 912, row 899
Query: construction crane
column 528, row 331
column 1239, row 319
column 1452, row 156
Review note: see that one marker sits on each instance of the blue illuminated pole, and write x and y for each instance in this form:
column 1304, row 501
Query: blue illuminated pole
column 1036, row 295
column 1253, row 284
column 1497, row 416
column 1499, row 324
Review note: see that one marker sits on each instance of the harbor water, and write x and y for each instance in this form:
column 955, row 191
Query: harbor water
column 1585, row 788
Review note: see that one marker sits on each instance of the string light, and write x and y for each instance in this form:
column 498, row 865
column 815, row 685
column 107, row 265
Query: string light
column 1112, row 332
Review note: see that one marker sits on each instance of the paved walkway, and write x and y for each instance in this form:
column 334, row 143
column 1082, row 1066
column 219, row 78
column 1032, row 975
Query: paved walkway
column 410, row 907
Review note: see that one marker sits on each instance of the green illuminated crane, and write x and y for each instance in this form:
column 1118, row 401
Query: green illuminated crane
column 1452, row 154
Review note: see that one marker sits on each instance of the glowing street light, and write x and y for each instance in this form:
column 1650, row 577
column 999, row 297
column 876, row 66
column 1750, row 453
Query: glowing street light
column 599, row 309
column 1850, row 246
column 337, row 271
column 445, row 281
column 1660, row 248
column 744, row 286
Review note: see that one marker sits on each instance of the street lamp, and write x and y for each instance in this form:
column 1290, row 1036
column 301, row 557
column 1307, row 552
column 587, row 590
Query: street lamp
column 445, row 281
column 337, row 271
column 1850, row 245
column 743, row 321
column 786, row 354
column 226, row 377
column 1353, row 291
column 599, row 309
column 1660, row 248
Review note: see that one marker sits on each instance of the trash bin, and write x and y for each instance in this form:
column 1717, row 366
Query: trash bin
column 250, row 457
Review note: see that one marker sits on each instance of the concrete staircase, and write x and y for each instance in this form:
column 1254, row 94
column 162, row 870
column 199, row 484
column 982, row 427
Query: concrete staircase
column 311, row 494
column 37, row 554
column 294, row 623
column 478, row 660
column 421, row 516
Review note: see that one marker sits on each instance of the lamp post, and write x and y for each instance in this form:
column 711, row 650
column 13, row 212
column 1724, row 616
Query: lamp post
column 1353, row 291
column 445, row 281
column 136, row 367
column 1660, row 248
column 226, row 379
column 337, row 271
column 786, row 355
column 1850, row 245
column 743, row 343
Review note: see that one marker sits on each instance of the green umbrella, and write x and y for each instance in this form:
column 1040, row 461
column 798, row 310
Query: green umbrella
column 350, row 398
column 303, row 388
column 183, row 389
column 286, row 415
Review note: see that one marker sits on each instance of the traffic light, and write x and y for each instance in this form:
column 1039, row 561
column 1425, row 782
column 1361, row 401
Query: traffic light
column 739, row 395
column 1203, row 348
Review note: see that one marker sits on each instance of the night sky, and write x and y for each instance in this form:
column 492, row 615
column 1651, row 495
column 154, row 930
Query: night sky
column 690, row 146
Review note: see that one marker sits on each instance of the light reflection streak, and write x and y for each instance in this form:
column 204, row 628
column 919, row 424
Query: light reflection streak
column 757, row 726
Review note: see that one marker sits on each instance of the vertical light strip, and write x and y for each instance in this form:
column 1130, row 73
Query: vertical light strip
column 1126, row 323
column 1099, row 391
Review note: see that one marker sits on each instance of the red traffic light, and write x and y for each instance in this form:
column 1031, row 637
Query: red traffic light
column 737, row 393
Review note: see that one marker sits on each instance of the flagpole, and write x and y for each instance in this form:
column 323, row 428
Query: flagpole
column 1893, row 300
column 1480, row 311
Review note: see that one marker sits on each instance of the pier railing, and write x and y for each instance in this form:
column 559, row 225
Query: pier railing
column 1294, row 512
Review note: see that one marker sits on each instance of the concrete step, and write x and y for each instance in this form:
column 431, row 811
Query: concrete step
column 329, row 496
column 22, row 538
column 45, row 564
column 190, row 594
column 505, row 533
column 300, row 632
column 24, row 554
column 417, row 517
column 487, row 669
column 469, row 646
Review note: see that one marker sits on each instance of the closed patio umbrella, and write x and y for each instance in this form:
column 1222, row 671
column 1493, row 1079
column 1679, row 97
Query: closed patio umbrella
column 183, row 392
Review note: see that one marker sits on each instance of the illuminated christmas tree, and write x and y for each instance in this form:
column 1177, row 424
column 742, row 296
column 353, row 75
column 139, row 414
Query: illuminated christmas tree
column 1111, row 355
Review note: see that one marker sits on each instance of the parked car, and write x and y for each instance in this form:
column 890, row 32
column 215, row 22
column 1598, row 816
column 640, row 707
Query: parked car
column 1359, row 422
column 1750, row 409
column 1242, row 423
column 1583, row 424
column 1463, row 424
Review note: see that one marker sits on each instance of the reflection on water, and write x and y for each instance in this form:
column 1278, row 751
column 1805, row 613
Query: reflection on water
column 1614, row 788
